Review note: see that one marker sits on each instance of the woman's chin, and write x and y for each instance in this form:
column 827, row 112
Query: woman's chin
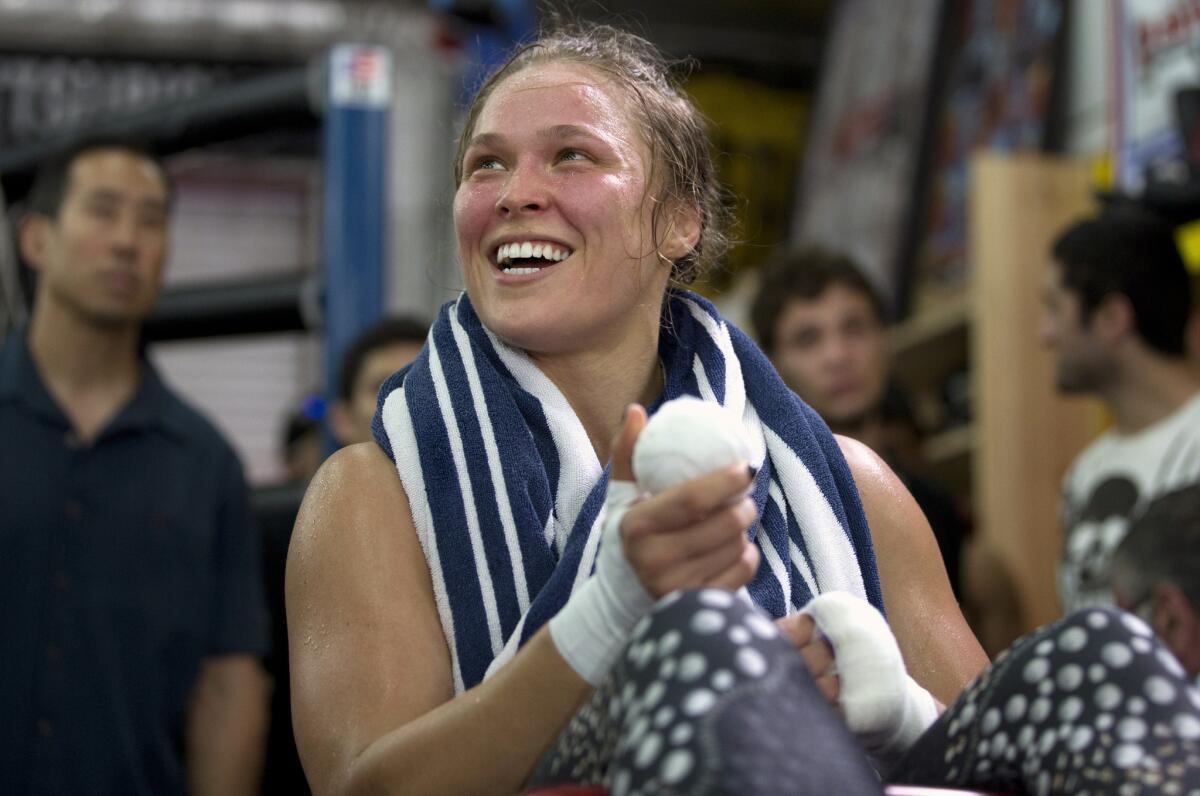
column 526, row 331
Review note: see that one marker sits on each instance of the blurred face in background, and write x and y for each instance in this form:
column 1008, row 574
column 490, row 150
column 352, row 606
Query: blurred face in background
column 832, row 351
column 101, row 258
column 351, row 420
column 1080, row 361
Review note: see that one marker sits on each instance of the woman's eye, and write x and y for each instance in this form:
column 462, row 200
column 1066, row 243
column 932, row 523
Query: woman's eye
column 572, row 154
column 485, row 163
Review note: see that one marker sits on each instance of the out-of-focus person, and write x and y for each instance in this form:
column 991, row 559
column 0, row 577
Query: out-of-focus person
column 823, row 325
column 380, row 351
column 133, row 611
column 302, row 446
column 1156, row 573
column 1116, row 305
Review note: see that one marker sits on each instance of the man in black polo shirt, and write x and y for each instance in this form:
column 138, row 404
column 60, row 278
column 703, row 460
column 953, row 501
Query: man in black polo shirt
column 132, row 620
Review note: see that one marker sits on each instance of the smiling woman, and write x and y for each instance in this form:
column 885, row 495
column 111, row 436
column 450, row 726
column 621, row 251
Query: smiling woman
column 477, row 602
column 585, row 188
column 576, row 182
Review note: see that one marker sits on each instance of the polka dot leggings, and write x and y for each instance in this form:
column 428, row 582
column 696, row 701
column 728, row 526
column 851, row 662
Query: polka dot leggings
column 709, row 699
column 1092, row 704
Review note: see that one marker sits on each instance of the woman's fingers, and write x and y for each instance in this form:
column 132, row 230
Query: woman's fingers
column 797, row 628
column 687, row 504
column 691, row 557
column 622, row 446
column 740, row 573
column 830, row 688
column 700, row 571
column 725, row 527
column 818, row 655
column 691, row 534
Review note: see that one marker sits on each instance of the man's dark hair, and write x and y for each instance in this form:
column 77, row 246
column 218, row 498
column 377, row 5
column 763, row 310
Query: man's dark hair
column 1128, row 250
column 1163, row 546
column 805, row 274
column 50, row 183
column 382, row 334
column 296, row 427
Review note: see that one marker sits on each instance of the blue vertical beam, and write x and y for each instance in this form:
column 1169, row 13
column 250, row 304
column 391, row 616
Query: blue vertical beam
column 355, row 171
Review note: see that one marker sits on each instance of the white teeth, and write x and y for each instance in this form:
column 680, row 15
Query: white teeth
column 519, row 271
column 507, row 252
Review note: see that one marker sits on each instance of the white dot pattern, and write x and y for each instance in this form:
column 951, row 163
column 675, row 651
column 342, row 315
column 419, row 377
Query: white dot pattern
column 1116, row 654
column 1073, row 639
column 676, row 766
column 716, row 598
column 1070, row 676
column 707, row 621
column 1159, row 689
column 692, row 666
column 699, row 702
column 751, row 662
column 1089, row 701
column 1068, row 705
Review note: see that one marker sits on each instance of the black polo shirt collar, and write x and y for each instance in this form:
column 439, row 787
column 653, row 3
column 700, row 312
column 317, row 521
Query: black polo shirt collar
column 149, row 410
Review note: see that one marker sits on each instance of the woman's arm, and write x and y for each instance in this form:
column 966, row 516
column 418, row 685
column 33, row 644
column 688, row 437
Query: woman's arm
column 371, row 676
column 939, row 649
column 370, row 663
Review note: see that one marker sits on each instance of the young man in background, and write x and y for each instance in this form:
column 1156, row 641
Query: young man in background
column 1117, row 302
column 823, row 326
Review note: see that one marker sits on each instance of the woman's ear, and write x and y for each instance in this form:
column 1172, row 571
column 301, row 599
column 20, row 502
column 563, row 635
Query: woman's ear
column 683, row 233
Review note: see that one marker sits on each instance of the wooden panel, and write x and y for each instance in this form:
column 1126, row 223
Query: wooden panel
column 1026, row 435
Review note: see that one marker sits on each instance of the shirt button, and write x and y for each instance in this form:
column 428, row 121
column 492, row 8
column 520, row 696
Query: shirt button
column 53, row 652
column 72, row 509
column 62, row 581
column 45, row 728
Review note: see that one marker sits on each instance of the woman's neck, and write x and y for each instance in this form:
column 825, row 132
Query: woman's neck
column 600, row 383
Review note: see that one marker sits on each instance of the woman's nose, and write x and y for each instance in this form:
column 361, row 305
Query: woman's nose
column 524, row 192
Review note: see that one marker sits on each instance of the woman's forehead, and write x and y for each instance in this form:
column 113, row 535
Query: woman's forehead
column 581, row 87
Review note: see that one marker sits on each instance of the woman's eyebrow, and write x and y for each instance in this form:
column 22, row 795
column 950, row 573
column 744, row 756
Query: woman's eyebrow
column 555, row 133
column 485, row 140
column 559, row 131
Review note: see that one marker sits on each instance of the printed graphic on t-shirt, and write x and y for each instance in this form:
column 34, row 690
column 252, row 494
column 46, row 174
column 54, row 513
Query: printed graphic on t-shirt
column 1093, row 533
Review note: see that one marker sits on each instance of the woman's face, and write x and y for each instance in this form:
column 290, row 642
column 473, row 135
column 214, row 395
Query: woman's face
column 553, row 214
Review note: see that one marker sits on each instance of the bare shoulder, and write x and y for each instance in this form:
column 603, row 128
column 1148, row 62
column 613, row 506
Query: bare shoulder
column 872, row 475
column 899, row 528
column 355, row 480
column 354, row 516
column 366, row 646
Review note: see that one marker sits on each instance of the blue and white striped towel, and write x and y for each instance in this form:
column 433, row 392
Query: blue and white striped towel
column 507, row 492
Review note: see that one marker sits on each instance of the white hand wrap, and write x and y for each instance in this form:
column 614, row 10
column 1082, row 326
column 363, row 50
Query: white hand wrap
column 688, row 438
column 592, row 628
column 885, row 708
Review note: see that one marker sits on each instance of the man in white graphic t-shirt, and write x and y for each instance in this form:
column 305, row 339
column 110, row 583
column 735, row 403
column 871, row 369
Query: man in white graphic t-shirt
column 1116, row 305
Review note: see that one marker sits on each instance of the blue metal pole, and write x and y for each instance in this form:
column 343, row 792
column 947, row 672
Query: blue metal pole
column 355, row 168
